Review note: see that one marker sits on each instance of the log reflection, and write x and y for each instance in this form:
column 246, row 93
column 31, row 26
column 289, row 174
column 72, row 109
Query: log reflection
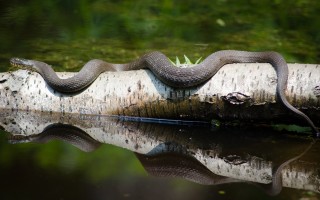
column 192, row 151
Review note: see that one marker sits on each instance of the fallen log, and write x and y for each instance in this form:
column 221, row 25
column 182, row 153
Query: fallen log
column 244, row 92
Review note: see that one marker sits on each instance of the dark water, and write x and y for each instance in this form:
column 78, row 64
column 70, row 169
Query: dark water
column 48, row 157
column 67, row 34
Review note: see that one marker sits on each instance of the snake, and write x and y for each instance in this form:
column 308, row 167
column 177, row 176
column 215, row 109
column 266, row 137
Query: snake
column 165, row 71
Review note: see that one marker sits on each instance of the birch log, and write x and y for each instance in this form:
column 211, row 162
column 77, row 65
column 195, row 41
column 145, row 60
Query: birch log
column 238, row 91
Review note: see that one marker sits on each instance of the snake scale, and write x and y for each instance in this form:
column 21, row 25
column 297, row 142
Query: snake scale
column 175, row 77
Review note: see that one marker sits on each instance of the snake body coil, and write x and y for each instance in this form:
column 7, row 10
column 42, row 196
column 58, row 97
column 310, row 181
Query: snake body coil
column 176, row 77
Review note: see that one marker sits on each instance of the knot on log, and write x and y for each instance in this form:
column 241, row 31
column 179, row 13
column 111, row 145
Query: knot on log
column 316, row 91
column 236, row 98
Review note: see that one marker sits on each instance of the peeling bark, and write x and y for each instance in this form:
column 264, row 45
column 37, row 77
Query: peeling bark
column 244, row 92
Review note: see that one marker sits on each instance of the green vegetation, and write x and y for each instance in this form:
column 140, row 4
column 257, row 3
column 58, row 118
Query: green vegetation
column 187, row 62
column 69, row 33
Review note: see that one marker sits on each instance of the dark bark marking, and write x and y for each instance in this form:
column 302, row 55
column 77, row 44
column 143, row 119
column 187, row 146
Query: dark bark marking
column 139, row 85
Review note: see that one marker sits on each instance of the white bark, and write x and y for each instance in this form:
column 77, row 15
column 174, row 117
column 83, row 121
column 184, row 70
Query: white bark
column 139, row 93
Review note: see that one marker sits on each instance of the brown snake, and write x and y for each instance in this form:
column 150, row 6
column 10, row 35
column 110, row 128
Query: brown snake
column 175, row 77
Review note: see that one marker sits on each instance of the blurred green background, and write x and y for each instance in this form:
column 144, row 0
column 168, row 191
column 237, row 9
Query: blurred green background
column 68, row 33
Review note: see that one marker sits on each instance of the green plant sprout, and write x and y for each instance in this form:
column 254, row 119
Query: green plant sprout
column 187, row 62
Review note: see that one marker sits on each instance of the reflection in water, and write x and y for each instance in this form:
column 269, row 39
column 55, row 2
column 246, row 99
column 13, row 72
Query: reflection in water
column 64, row 132
column 180, row 165
column 173, row 164
column 197, row 154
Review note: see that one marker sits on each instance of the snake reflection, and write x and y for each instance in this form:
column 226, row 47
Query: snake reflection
column 165, row 164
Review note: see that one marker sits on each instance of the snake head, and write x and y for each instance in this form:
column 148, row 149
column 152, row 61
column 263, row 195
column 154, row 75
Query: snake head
column 23, row 63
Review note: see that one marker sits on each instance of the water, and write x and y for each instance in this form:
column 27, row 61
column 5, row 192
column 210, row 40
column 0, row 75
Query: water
column 67, row 34
column 192, row 161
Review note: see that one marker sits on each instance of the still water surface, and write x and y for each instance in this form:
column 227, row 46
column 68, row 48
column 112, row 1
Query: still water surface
column 110, row 156
column 67, row 34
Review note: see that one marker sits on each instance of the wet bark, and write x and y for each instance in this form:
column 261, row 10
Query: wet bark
column 245, row 92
